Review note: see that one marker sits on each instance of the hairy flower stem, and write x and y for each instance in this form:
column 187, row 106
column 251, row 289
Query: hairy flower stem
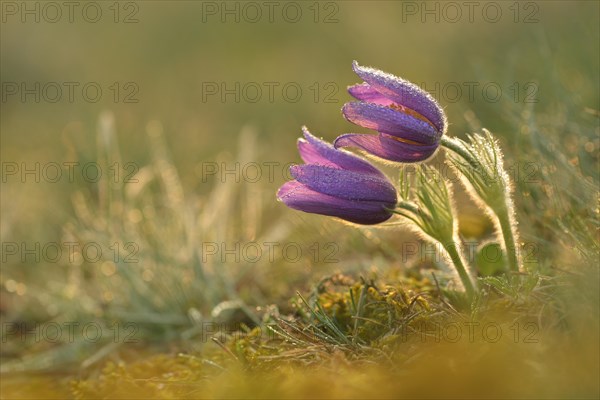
column 502, row 210
column 460, row 268
column 452, row 145
column 448, row 244
column 512, row 252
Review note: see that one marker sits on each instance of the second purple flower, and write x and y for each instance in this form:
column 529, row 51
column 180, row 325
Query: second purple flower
column 337, row 183
column 409, row 120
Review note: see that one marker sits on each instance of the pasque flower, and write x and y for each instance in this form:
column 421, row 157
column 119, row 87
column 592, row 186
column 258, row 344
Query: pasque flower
column 337, row 183
column 409, row 120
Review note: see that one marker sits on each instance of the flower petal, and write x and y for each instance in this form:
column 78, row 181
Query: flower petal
column 365, row 92
column 299, row 197
column 386, row 147
column 345, row 184
column 316, row 151
column 404, row 93
column 387, row 120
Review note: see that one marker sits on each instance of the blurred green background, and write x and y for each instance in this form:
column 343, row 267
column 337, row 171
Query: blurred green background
column 544, row 57
column 170, row 52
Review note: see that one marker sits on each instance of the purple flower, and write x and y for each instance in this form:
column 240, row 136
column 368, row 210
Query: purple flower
column 409, row 120
column 337, row 183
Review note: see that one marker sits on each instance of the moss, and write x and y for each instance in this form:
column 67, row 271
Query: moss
column 356, row 339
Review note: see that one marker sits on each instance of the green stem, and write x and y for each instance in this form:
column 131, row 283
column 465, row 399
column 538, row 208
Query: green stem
column 460, row 267
column 506, row 226
column 461, row 151
column 412, row 207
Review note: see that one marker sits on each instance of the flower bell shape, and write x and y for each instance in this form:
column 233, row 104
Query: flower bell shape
column 337, row 183
column 409, row 120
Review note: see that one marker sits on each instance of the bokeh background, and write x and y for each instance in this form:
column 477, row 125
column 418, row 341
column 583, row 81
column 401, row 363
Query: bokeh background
column 167, row 56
